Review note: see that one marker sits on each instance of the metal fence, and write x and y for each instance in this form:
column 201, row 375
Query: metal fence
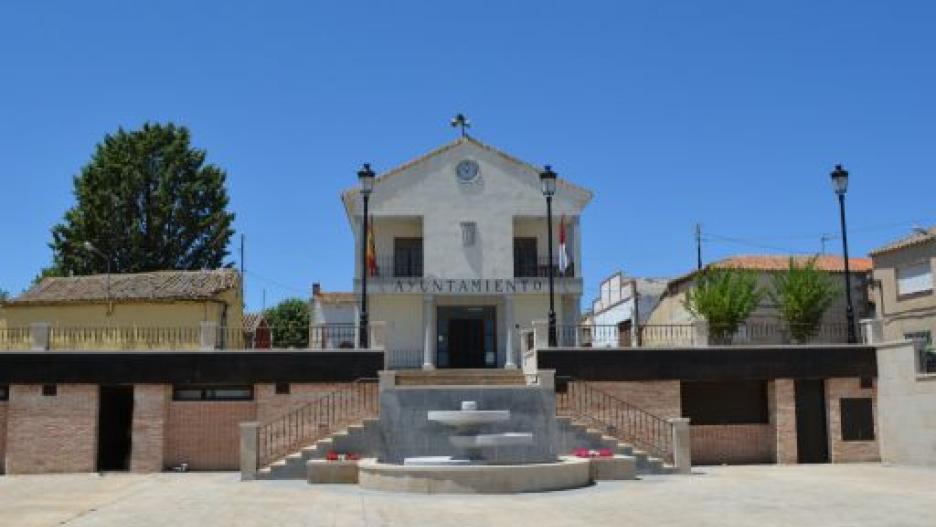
column 539, row 267
column 403, row 266
column 202, row 337
column 752, row 332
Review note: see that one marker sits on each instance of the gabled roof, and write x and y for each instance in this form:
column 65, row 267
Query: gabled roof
column 152, row 286
column 350, row 195
column 253, row 320
column 780, row 262
column 916, row 238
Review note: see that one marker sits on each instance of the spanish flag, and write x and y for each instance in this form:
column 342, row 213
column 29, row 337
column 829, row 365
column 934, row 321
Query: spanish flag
column 371, row 250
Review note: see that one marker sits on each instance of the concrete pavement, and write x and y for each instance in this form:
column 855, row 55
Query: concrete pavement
column 764, row 496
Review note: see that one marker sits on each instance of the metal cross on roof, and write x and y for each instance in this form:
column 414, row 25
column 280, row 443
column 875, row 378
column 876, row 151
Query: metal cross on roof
column 461, row 121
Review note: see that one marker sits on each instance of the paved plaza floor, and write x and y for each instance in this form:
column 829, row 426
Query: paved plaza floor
column 760, row 496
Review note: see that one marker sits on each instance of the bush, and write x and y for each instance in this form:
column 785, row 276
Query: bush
column 724, row 298
column 802, row 295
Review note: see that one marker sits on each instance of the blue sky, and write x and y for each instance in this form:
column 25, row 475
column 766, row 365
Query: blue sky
column 730, row 114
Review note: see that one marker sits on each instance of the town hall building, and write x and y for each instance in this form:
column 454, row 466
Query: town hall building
column 458, row 260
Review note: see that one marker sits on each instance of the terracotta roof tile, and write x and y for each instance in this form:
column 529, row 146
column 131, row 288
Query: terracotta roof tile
column 781, row 262
column 920, row 236
column 157, row 286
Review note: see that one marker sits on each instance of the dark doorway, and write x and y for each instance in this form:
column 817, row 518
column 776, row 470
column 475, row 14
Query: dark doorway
column 812, row 437
column 466, row 342
column 115, row 418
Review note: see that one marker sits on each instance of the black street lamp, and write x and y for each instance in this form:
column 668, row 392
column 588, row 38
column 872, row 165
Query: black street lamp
column 840, row 184
column 366, row 176
column 548, row 178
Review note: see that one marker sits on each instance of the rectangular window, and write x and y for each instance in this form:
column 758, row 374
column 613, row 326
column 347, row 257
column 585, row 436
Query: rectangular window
column 525, row 261
column 49, row 390
column 212, row 393
column 914, row 279
column 408, row 257
column 857, row 419
column 4, row 392
column 725, row 403
column 282, row 388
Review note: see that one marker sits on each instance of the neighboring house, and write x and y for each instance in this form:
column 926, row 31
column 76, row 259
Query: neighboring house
column 672, row 309
column 622, row 303
column 904, row 287
column 257, row 333
column 162, row 308
column 334, row 318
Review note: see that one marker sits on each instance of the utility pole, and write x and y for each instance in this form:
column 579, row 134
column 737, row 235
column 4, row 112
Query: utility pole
column 243, row 300
column 698, row 245
column 823, row 239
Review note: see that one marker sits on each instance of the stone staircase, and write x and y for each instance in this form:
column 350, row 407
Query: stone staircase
column 363, row 437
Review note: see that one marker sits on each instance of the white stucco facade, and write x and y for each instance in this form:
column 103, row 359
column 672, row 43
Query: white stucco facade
column 433, row 278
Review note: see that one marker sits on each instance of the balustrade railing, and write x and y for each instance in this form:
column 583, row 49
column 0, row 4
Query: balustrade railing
column 316, row 420
column 615, row 417
column 206, row 336
column 539, row 268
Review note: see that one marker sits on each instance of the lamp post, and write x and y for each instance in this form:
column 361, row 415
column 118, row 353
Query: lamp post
column 88, row 246
column 366, row 177
column 840, row 184
column 548, row 178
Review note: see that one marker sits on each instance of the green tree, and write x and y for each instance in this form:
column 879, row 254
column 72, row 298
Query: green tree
column 802, row 295
column 289, row 323
column 147, row 201
column 724, row 298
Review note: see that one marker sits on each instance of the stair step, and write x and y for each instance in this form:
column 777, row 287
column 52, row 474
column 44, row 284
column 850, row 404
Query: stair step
column 466, row 377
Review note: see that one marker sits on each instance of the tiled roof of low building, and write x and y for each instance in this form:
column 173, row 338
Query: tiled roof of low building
column 151, row 286
column 252, row 320
column 781, row 262
column 917, row 237
column 336, row 297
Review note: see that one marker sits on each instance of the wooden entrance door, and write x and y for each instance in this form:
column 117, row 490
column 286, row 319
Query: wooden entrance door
column 812, row 437
column 466, row 342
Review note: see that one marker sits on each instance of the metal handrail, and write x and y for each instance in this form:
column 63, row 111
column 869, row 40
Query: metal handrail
column 617, row 418
column 316, row 420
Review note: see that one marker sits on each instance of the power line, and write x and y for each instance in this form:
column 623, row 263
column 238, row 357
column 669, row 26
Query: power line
column 277, row 283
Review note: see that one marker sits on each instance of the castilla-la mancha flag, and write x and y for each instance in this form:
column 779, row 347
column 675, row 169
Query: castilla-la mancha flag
column 563, row 249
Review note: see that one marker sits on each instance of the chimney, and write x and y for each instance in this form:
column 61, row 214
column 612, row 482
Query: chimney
column 316, row 289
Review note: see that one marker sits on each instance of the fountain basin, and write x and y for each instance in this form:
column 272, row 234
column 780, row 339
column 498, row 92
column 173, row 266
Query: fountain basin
column 566, row 473
column 434, row 461
column 460, row 418
column 492, row 440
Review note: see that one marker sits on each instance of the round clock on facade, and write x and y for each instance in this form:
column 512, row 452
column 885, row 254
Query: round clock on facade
column 466, row 171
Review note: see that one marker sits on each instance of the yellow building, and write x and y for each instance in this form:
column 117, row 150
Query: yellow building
column 163, row 309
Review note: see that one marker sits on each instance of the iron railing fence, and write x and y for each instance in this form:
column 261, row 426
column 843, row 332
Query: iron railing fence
column 402, row 266
column 754, row 332
column 201, row 337
column 316, row 420
column 615, row 417
column 539, row 268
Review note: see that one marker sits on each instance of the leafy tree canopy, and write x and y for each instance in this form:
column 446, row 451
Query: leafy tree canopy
column 802, row 295
column 289, row 323
column 724, row 298
column 147, row 201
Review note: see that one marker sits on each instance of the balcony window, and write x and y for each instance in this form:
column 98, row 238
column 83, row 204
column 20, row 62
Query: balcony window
column 525, row 260
column 407, row 257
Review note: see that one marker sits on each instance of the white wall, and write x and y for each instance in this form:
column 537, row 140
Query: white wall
column 906, row 407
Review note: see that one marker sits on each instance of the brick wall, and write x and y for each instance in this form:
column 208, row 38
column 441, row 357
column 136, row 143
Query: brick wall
column 845, row 451
column 781, row 401
column 206, row 434
column 271, row 405
column 150, row 414
column 52, row 434
column 3, row 429
column 732, row 444
column 660, row 398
